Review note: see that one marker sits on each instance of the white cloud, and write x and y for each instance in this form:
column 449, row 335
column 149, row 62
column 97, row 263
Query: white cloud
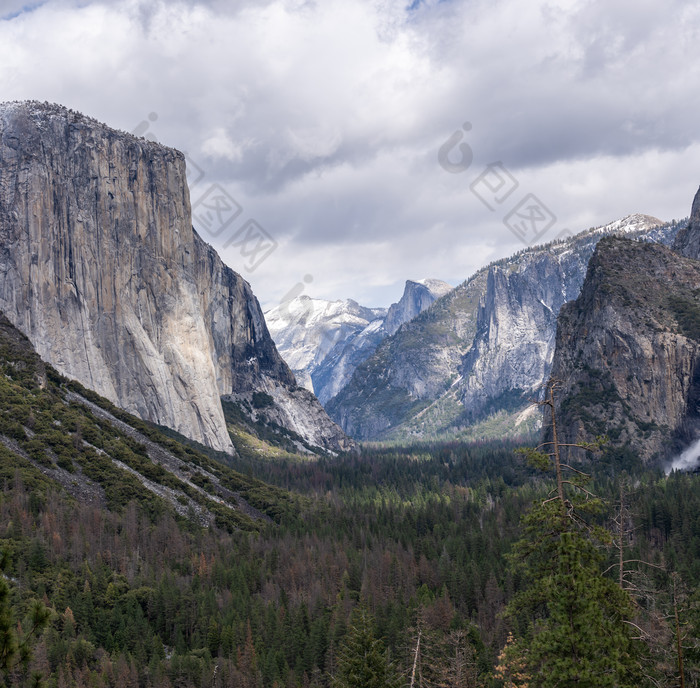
column 323, row 119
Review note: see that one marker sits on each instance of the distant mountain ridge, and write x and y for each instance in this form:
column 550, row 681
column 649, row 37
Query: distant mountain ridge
column 417, row 296
column 480, row 350
column 324, row 341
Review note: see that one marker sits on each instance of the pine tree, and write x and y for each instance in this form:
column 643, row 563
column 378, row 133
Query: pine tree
column 15, row 643
column 579, row 632
column 362, row 660
column 580, row 635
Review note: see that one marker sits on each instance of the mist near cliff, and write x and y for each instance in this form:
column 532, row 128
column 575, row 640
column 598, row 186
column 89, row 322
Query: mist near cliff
column 687, row 460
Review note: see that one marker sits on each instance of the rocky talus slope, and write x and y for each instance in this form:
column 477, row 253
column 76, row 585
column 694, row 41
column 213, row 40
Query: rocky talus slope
column 56, row 432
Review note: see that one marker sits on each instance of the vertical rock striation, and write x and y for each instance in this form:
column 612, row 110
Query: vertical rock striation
column 417, row 296
column 485, row 347
column 100, row 267
column 324, row 341
column 627, row 351
column 687, row 241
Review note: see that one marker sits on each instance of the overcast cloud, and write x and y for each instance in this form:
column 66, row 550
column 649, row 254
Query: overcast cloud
column 324, row 119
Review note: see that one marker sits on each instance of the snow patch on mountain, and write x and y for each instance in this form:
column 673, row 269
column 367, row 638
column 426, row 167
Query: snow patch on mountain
column 324, row 341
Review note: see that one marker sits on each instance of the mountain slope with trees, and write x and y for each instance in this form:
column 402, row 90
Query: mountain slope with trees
column 141, row 594
column 477, row 355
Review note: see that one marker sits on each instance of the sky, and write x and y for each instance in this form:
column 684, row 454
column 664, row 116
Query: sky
column 337, row 148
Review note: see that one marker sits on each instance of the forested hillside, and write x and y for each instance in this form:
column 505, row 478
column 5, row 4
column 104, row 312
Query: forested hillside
column 281, row 573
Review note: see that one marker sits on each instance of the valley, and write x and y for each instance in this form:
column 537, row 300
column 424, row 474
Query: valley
column 469, row 488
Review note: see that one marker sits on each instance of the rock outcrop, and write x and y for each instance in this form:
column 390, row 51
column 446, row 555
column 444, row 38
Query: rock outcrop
column 324, row 341
column 411, row 368
column 307, row 331
column 417, row 297
column 101, row 268
column 627, row 350
column 687, row 241
column 516, row 325
column 485, row 347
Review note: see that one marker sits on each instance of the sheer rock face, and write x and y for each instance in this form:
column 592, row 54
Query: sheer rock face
column 417, row 296
column 516, row 325
column 100, row 267
column 321, row 339
column 687, row 241
column 486, row 346
column 325, row 341
column 627, row 351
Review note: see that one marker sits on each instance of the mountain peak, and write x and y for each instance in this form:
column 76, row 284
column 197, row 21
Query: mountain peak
column 633, row 322
column 687, row 241
column 417, row 296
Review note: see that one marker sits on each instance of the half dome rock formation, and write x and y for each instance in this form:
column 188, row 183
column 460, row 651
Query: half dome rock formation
column 417, row 296
column 482, row 349
column 324, row 341
column 101, row 268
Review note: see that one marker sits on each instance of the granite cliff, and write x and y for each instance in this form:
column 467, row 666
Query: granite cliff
column 307, row 331
column 101, row 268
column 481, row 350
column 324, row 341
column 417, row 296
column 687, row 241
column 516, row 324
column 627, row 350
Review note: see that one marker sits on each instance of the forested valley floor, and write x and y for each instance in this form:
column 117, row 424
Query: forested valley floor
column 417, row 539
column 132, row 558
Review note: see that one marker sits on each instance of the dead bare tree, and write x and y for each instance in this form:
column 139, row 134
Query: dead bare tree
column 632, row 580
column 679, row 644
column 416, row 657
column 549, row 452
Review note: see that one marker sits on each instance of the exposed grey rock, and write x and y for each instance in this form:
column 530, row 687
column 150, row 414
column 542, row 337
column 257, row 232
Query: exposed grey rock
column 411, row 368
column 324, row 341
column 100, row 267
column 307, row 331
column 627, row 351
column 417, row 296
column 336, row 369
column 486, row 346
column 687, row 241
column 512, row 351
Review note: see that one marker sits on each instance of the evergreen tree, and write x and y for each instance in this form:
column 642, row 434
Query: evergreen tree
column 580, row 635
column 15, row 643
column 578, row 621
column 362, row 660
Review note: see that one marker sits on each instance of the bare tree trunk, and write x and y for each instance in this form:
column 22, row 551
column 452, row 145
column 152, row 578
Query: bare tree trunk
column 416, row 653
column 679, row 647
column 555, row 442
column 622, row 531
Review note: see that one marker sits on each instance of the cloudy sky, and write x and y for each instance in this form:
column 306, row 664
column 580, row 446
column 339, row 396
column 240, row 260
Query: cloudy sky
column 364, row 142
